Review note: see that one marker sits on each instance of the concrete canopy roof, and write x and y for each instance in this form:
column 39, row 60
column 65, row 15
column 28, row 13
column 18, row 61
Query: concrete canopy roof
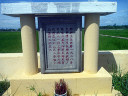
column 58, row 8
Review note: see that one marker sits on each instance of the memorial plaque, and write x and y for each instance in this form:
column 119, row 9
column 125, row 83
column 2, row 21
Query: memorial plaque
column 60, row 44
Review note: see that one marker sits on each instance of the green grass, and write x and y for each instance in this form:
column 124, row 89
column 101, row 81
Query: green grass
column 10, row 42
column 121, row 33
column 4, row 85
column 108, row 43
column 120, row 82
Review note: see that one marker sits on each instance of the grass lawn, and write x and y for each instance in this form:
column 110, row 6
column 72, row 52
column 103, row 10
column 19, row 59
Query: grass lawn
column 121, row 33
column 10, row 42
column 108, row 43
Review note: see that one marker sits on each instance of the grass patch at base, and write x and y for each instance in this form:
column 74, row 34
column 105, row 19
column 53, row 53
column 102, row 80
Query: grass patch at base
column 4, row 85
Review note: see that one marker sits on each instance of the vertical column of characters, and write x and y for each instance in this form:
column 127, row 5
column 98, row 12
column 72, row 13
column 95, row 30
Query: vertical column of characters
column 71, row 52
column 67, row 44
column 49, row 43
column 62, row 45
column 58, row 47
column 54, row 57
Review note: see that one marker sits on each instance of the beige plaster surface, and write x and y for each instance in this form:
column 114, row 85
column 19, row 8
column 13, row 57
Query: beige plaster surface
column 91, row 43
column 11, row 64
column 29, row 46
column 79, row 83
column 14, row 61
column 116, row 58
column 114, row 93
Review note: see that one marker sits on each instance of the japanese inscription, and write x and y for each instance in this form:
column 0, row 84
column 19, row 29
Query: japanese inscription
column 61, row 48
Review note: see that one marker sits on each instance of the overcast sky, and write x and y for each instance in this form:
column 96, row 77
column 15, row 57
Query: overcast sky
column 119, row 18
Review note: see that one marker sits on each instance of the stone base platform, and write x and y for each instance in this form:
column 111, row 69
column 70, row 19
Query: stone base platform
column 81, row 84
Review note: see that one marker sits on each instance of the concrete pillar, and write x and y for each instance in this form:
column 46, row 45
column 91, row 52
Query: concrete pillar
column 29, row 46
column 91, row 43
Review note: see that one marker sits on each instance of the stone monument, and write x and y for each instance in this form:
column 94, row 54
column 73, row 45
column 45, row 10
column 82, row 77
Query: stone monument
column 60, row 43
column 60, row 46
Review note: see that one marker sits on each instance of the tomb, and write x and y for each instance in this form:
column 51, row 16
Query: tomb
column 60, row 29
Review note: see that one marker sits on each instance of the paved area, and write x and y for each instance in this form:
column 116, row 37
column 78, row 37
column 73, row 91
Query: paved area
column 114, row 93
column 114, row 36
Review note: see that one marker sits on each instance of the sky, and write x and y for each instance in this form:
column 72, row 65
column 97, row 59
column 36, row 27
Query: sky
column 118, row 18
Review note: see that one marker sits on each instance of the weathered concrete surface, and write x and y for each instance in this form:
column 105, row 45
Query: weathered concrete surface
column 114, row 93
column 47, row 8
column 112, row 60
column 79, row 83
column 29, row 46
column 91, row 42
column 11, row 64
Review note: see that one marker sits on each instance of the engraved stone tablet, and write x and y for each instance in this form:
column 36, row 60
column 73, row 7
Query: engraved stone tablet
column 60, row 44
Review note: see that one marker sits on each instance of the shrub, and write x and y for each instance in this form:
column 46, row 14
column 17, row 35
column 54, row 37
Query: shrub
column 4, row 85
column 120, row 83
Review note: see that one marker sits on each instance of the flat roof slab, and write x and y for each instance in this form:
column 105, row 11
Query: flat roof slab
column 57, row 8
